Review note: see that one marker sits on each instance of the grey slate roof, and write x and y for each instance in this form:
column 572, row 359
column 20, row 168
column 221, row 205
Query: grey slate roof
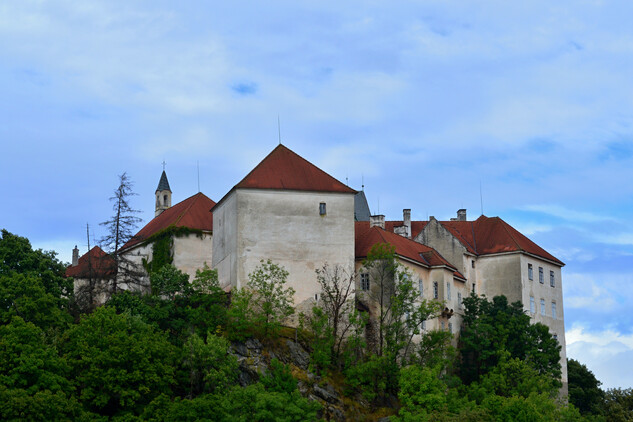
column 361, row 208
column 164, row 183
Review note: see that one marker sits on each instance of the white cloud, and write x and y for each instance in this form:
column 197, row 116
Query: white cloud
column 602, row 293
column 566, row 213
column 608, row 354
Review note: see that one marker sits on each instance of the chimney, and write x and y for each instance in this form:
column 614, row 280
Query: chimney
column 377, row 220
column 461, row 215
column 406, row 217
column 75, row 256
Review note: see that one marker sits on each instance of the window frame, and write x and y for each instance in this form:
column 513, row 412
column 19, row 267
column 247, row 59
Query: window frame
column 364, row 282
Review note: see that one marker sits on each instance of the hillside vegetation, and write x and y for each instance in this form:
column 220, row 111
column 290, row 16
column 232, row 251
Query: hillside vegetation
column 188, row 351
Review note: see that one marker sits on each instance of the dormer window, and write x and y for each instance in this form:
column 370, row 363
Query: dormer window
column 322, row 208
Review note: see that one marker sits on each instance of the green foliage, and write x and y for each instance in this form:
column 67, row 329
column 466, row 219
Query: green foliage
column 322, row 341
column 584, row 388
column 512, row 377
column 162, row 253
column 273, row 301
column 118, row 362
column 374, row 378
column 240, row 321
column 17, row 257
column 279, row 378
column 25, row 296
column 33, row 383
column 210, row 367
column 618, row 404
column 421, row 393
column 169, row 281
column 177, row 306
column 435, row 349
column 492, row 327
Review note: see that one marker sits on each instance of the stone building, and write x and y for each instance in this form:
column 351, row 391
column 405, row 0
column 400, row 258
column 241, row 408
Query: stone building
column 295, row 214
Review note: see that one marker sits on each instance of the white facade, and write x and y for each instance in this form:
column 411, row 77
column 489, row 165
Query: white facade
column 287, row 227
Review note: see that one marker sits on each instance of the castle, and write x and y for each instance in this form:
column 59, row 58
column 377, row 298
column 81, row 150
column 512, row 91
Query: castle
column 295, row 214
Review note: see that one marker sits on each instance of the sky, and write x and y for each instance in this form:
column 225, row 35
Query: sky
column 522, row 110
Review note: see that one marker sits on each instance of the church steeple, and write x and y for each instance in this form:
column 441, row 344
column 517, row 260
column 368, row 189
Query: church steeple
column 163, row 194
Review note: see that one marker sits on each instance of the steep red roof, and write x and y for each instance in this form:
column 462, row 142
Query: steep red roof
column 284, row 169
column 193, row 213
column 367, row 237
column 102, row 265
column 490, row 235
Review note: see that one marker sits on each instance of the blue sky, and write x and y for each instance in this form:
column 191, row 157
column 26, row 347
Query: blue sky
column 423, row 101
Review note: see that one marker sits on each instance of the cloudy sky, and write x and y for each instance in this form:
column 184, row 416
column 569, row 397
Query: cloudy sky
column 522, row 109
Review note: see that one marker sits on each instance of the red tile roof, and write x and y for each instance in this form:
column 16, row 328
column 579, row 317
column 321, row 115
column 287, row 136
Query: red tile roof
column 367, row 237
column 103, row 265
column 484, row 236
column 284, row 169
column 193, row 213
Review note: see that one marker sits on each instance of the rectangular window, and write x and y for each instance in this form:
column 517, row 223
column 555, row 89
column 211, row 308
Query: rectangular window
column 364, row 281
column 436, row 290
column 472, row 263
column 442, row 325
column 542, row 306
column 532, row 305
column 473, row 287
column 421, row 287
column 555, row 336
column 448, row 291
column 554, row 310
column 459, row 300
column 322, row 208
column 450, row 327
column 551, row 279
column 530, row 272
column 540, row 275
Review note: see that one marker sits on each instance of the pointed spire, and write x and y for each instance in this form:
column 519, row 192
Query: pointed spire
column 163, row 184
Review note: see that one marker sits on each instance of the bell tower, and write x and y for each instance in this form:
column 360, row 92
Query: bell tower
column 163, row 194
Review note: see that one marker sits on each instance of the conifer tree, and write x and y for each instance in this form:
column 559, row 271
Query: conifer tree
column 120, row 229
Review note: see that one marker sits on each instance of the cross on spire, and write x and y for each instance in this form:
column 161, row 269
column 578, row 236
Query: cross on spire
column 164, row 163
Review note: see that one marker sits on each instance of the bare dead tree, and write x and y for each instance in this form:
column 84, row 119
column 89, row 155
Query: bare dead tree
column 120, row 229
column 338, row 303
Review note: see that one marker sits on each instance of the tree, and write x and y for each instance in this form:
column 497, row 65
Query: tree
column 210, row 367
column 33, row 383
column 584, row 388
column 273, row 302
column 492, row 327
column 118, row 363
column 618, row 404
column 120, row 229
column 18, row 257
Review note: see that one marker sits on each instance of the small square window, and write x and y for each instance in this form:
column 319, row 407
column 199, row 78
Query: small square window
column 552, row 282
column 530, row 272
column 540, row 275
column 364, row 281
column 322, row 208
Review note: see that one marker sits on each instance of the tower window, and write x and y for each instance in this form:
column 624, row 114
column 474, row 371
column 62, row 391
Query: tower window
column 322, row 208
column 364, row 281
column 165, row 199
